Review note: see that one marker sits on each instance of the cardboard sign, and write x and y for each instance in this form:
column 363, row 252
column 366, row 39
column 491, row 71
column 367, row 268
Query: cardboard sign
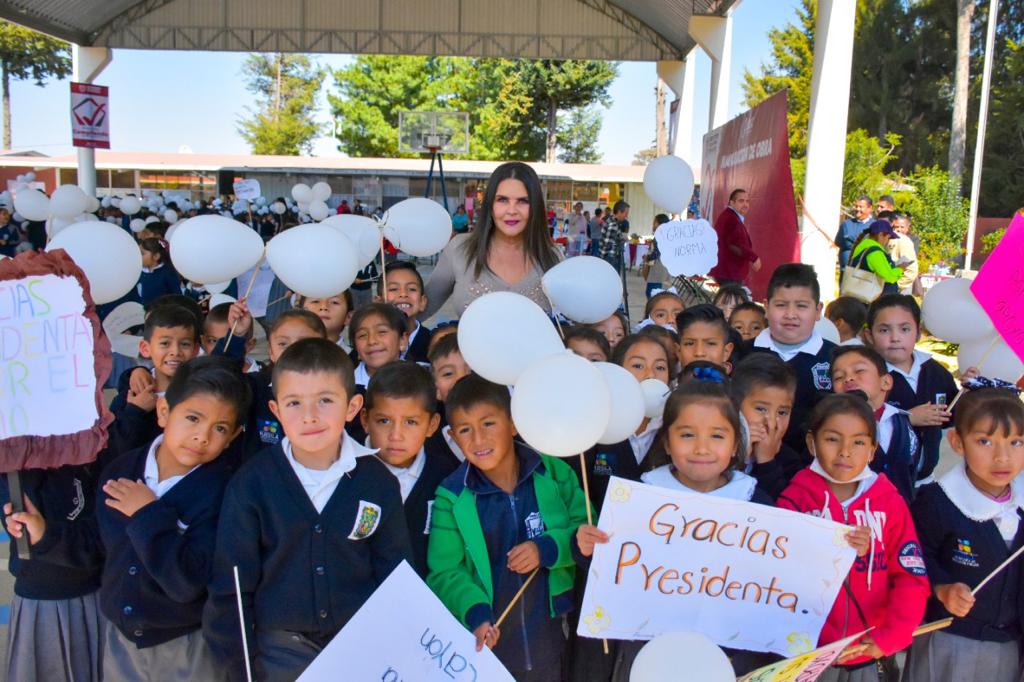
column 999, row 286
column 248, row 189
column 688, row 247
column 746, row 575
column 90, row 116
column 805, row 668
column 54, row 359
column 119, row 322
column 424, row 641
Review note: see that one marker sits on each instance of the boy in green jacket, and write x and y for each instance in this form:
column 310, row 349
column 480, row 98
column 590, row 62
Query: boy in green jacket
column 503, row 515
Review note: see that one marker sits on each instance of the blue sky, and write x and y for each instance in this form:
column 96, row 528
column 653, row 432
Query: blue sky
column 163, row 101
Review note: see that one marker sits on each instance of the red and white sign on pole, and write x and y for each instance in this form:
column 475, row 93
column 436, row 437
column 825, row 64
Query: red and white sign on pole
column 90, row 116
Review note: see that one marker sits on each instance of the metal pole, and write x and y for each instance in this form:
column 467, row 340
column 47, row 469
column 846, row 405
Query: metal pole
column 979, row 146
column 440, row 174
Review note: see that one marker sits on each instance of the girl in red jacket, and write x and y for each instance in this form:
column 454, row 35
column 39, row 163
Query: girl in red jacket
column 887, row 588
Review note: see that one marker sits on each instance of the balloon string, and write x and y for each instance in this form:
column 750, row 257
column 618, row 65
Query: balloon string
column 248, row 290
column 554, row 316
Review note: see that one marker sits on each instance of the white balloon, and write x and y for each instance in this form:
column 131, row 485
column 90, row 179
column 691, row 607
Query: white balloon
column 655, row 396
column 130, row 205
column 668, row 181
column 361, row 231
column 20, row 178
column 827, row 330
column 105, row 202
column 585, row 289
column 211, row 248
column 627, row 403
column 69, row 201
column 115, row 202
column 217, row 287
column 171, row 230
column 30, row 176
column 1000, row 362
column 302, row 193
column 321, row 191
column 420, row 227
column 170, row 216
column 561, row 404
column 278, row 207
column 93, row 204
column 502, row 333
column 56, row 224
column 313, row 260
column 107, row 255
column 951, row 312
column 666, row 657
column 217, row 299
column 137, row 225
column 84, row 217
column 150, row 219
column 318, row 210
column 32, row 204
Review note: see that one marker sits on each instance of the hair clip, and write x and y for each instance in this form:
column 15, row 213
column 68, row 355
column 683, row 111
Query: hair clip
column 984, row 382
column 708, row 374
column 164, row 244
column 670, row 290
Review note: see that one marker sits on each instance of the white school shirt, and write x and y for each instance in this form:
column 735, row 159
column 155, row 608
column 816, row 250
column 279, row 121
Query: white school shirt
column 812, row 345
column 151, row 474
column 362, row 376
column 452, row 445
column 912, row 377
column 407, row 476
column 642, row 443
column 885, row 425
column 979, row 507
column 321, row 484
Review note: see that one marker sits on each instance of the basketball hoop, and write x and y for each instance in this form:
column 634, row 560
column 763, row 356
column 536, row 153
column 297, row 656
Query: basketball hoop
column 434, row 133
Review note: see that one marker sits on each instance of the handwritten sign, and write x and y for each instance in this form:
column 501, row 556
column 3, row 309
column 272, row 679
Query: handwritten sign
column 804, row 668
column 248, row 189
column 688, row 247
column 746, row 575
column 999, row 286
column 424, row 641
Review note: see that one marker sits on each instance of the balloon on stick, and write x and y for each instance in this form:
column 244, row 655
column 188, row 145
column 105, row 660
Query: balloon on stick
column 502, row 333
column 32, row 204
column 668, row 181
column 130, row 205
column 951, row 312
column 361, row 231
column 561, row 404
column 321, row 191
column 302, row 193
column 993, row 358
column 68, row 201
column 318, row 210
column 827, row 330
column 313, row 260
column 655, row 395
column 663, row 657
column 212, row 248
column 585, row 289
column 420, row 227
column 628, row 407
column 108, row 256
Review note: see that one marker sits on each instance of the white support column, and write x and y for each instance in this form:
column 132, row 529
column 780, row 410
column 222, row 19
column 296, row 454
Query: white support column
column 86, row 64
column 714, row 35
column 826, row 138
column 679, row 77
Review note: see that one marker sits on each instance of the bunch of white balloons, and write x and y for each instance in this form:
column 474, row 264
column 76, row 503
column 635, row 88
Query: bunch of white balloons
column 562, row 404
column 952, row 313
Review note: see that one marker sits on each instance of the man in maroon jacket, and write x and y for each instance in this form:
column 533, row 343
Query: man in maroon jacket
column 736, row 255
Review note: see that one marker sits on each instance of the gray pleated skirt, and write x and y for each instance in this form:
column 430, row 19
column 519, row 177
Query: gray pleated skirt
column 57, row 640
column 943, row 656
column 183, row 659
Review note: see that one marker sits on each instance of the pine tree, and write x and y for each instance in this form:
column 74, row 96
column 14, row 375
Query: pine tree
column 286, row 87
column 578, row 132
column 26, row 54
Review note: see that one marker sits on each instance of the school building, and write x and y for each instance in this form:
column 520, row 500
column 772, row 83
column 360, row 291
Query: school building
column 374, row 182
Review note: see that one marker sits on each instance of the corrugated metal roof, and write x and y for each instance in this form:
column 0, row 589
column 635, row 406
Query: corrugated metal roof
column 638, row 30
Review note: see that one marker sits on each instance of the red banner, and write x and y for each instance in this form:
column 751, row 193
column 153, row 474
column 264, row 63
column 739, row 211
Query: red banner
column 751, row 152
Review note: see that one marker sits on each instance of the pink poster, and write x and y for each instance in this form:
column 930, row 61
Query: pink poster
column 999, row 286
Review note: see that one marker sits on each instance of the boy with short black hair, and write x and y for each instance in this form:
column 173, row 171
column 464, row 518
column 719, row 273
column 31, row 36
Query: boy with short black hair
column 848, row 315
column 170, row 338
column 748, row 319
column 504, row 513
column 588, row 343
column 406, row 292
column 158, row 524
column 313, row 524
column 794, row 305
column 400, row 416
column 447, row 366
column 704, row 335
column 216, row 327
column 862, row 368
column 763, row 388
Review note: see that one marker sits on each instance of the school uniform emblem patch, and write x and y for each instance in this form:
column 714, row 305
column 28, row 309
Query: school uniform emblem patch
column 534, row 526
column 912, row 558
column 821, row 373
column 367, row 520
column 269, row 431
column 964, row 554
column 603, row 464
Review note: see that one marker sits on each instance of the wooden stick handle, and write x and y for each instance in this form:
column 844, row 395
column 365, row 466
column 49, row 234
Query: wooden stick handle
column 504, row 614
column 248, row 290
column 933, row 626
column 590, row 514
column 18, row 505
column 996, row 572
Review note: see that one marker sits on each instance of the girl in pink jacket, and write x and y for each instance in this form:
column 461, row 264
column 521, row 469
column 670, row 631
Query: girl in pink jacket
column 887, row 588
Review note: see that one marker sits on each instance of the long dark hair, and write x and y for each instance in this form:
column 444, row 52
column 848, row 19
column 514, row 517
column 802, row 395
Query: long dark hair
column 537, row 237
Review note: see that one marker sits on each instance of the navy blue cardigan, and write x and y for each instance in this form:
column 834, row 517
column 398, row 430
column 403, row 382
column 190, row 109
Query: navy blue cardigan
column 440, row 462
column 933, row 382
column 959, row 550
column 159, row 560
column 300, row 570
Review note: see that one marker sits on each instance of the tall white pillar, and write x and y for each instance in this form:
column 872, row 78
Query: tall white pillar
column 86, row 64
column 826, row 138
column 679, row 77
column 714, row 35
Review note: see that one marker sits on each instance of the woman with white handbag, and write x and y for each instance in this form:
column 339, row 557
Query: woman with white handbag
column 871, row 272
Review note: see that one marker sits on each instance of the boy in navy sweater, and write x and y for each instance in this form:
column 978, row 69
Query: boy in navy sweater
column 158, row 523
column 314, row 524
column 405, row 292
column 169, row 339
column 400, row 416
column 861, row 368
column 794, row 305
